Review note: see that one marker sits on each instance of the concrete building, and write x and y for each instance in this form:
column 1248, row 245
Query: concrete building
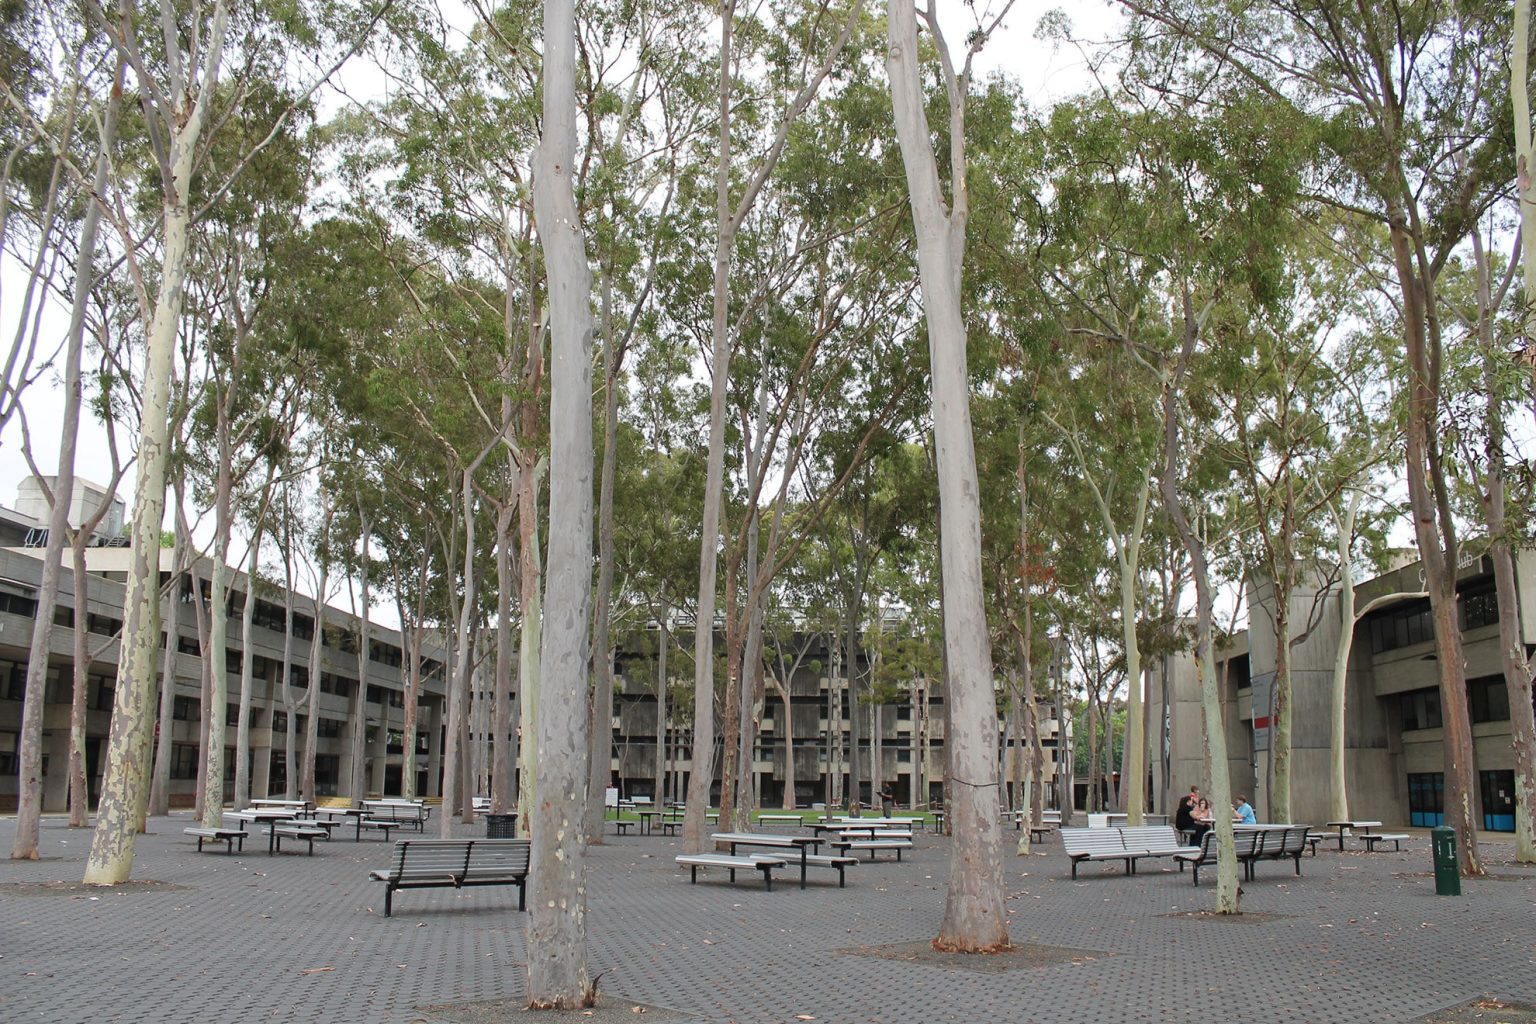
column 1393, row 751
column 340, row 677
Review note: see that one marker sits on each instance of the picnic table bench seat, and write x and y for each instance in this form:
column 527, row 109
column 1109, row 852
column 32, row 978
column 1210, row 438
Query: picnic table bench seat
column 1370, row 839
column 836, row 862
column 229, row 836
column 732, row 864
column 872, row 845
column 409, row 815
column 297, row 830
column 455, row 864
column 781, row 819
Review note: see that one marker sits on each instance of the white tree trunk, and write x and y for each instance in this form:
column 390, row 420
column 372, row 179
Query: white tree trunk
column 557, row 906
column 974, row 916
column 124, row 789
column 29, row 803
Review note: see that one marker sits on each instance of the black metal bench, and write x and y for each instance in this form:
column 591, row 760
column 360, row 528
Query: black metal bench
column 455, row 864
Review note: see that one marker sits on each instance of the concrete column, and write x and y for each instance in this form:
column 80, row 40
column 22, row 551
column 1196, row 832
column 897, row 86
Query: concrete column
column 434, row 748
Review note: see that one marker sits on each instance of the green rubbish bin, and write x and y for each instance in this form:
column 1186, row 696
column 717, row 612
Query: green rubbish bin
column 1447, row 870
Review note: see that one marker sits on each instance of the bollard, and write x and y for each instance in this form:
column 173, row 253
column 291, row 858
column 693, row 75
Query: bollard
column 1447, row 870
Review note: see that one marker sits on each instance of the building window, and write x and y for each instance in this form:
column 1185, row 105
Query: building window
column 13, row 681
column 103, row 625
column 328, row 727
column 1421, row 710
column 102, row 692
column 1479, row 606
column 277, row 773
column 1402, row 627
column 1426, row 799
column 183, row 761
column 327, row 774
column 279, row 721
column 1488, row 698
column 9, row 763
column 17, row 605
column 1498, row 800
column 184, row 709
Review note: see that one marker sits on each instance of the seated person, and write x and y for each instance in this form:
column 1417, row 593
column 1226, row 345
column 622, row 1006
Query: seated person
column 1184, row 817
column 1242, row 813
column 1203, row 819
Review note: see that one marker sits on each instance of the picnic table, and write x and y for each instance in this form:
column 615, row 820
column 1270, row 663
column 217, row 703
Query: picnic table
column 274, row 818
column 1363, row 826
column 805, row 844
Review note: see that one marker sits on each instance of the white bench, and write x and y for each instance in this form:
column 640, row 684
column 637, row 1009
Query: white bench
column 1096, row 844
column 1370, row 839
column 295, row 830
column 872, row 845
column 229, row 836
column 781, row 819
column 731, row 864
column 825, row 860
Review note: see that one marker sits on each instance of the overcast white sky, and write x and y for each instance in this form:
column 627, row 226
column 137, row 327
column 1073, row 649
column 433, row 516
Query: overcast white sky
column 1044, row 72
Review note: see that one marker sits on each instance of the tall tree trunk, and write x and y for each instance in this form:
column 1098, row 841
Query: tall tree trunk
column 1435, row 530
column 1210, row 694
column 602, row 655
column 1516, row 666
column 357, row 782
column 79, row 785
column 1338, row 780
column 528, row 671
column 29, row 801
column 503, row 790
column 659, row 790
column 557, row 935
column 1525, row 162
column 463, row 659
column 160, row 783
column 974, row 916
column 247, row 675
column 124, row 788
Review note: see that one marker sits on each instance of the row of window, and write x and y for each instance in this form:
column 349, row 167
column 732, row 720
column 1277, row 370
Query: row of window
column 1412, row 623
column 1487, row 700
column 1426, row 799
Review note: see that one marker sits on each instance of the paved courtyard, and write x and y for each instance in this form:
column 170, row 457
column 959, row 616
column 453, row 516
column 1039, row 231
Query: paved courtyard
column 211, row 937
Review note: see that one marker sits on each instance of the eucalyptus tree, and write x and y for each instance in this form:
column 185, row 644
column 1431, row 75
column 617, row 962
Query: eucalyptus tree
column 730, row 213
column 557, row 966
column 1407, row 106
column 1502, row 382
column 974, row 918
column 177, row 73
column 29, row 795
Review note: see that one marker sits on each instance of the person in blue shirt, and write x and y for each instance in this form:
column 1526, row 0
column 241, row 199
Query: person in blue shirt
column 1243, row 813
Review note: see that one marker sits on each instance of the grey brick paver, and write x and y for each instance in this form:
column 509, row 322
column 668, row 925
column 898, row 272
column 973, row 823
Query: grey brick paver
column 1357, row 938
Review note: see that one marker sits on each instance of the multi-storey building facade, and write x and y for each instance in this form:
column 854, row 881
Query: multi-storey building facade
column 1393, row 737
column 343, row 677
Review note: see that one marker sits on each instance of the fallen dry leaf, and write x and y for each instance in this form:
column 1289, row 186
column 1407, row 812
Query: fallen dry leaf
column 316, row 970
column 804, row 1016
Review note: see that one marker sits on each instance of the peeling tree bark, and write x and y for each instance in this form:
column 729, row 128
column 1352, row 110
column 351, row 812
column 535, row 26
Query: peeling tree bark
column 557, row 906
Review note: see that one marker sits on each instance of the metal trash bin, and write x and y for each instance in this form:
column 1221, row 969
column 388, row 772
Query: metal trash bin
column 1447, row 867
column 501, row 826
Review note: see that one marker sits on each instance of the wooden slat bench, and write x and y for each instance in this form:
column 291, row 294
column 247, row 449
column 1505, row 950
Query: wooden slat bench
column 455, row 864
column 731, row 864
column 872, row 845
column 229, row 836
